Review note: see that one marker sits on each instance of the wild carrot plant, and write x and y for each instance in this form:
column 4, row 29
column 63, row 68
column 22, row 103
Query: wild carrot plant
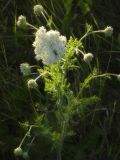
column 63, row 86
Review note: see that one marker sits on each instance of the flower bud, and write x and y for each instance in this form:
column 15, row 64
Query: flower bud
column 32, row 84
column 118, row 77
column 22, row 22
column 25, row 155
column 88, row 57
column 108, row 31
column 25, row 69
column 38, row 9
column 18, row 152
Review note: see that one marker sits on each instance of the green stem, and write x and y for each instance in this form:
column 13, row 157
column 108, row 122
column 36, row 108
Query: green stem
column 45, row 16
column 30, row 25
column 81, row 52
column 90, row 66
column 41, row 75
column 34, row 66
column 28, row 133
column 59, row 157
column 105, row 74
column 96, row 76
column 89, row 33
column 31, row 142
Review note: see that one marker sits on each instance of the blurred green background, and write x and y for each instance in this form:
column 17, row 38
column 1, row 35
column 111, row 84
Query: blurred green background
column 101, row 139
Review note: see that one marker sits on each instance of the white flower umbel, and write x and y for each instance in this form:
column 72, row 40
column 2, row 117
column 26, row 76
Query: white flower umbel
column 49, row 45
column 22, row 22
column 108, row 31
column 38, row 9
column 18, row 151
column 32, row 84
column 25, row 69
column 88, row 57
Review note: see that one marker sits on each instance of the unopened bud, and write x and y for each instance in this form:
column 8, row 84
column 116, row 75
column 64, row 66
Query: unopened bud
column 22, row 22
column 25, row 155
column 118, row 77
column 38, row 9
column 32, row 84
column 18, row 152
column 25, row 69
column 108, row 31
column 88, row 57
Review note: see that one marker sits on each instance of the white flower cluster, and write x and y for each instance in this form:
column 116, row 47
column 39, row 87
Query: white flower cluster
column 49, row 45
column 25, row 69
